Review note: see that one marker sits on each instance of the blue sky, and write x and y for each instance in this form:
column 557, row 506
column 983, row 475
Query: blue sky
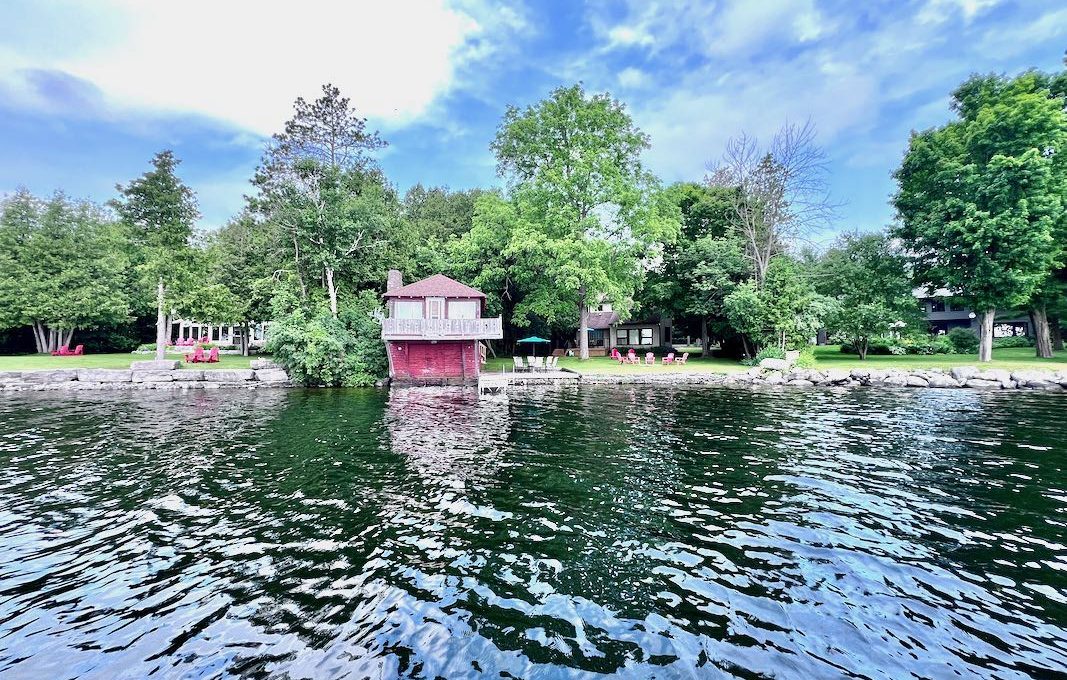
column 90, row 90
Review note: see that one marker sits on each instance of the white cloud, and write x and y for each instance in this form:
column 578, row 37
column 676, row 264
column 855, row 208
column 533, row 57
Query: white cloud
column 245, row 61
column 940, row 11
column 626, row 36
column 632, row 77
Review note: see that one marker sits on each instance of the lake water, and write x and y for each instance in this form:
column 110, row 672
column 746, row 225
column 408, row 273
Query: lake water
column 635, row 531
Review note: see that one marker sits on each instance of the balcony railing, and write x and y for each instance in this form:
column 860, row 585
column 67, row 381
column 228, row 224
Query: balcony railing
column 490, row 328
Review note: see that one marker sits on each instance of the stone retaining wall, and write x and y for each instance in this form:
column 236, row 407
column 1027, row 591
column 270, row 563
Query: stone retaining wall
column 961, row 377
column 147, row 375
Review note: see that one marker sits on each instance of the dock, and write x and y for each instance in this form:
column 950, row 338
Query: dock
column 498, row 383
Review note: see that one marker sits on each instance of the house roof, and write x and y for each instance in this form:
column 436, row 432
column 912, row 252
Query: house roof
column 601, row 320
column 437, row 285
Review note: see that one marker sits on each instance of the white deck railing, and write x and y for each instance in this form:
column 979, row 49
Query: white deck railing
column 490, row 328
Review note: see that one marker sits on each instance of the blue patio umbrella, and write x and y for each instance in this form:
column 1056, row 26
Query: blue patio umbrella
column 534, row 340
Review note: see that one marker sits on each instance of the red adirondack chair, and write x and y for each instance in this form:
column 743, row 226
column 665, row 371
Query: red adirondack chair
column 615, row 354
column 59, row 352
column 669, row 359
column 78, row 351
column 196, row 357
column 212, row 356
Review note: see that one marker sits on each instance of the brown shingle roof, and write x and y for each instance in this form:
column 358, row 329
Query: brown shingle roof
column 437, row 285
column 602, row 319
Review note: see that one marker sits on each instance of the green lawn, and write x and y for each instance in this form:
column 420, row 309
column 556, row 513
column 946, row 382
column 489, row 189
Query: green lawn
column 828, row 356
column 27, row 362
column 609, row 365
column 1012, row 358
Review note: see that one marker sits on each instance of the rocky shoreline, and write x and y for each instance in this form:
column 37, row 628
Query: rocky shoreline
column 961, row 377
column 146, row 375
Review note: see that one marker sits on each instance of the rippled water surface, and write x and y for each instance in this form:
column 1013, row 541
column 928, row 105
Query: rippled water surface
column 635, row 531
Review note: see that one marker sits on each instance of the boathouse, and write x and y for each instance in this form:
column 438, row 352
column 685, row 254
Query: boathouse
column 433, row 330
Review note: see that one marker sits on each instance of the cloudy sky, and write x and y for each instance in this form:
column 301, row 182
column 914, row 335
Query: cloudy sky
column 90, row 90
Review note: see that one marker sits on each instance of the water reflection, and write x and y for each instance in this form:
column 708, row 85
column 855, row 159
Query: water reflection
column 559, row 533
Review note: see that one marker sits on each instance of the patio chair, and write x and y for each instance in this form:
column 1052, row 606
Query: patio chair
column 550, row 363
column 78, row 351
column 682, row 359
column 197, row 357
column 650, row 359
column 519, row 366
column 212, row 356
column 669, row 359
column 61, row 352
column 631, row 357
column 539, row 363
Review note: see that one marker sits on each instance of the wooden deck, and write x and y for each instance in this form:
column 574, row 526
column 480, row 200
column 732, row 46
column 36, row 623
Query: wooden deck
column 496, row 383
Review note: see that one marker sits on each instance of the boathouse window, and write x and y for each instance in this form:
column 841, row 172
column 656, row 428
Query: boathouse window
column 462, row 309
column 407, row 309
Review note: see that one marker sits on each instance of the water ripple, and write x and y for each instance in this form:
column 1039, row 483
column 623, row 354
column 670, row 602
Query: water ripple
column 557, row 533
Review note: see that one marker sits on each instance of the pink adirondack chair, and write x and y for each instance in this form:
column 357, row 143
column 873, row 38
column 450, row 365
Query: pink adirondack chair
column 78, row 351
column 61, row 352
column 682, row 359
column 196, row 357
column 631, row 357
column 650, row 359
column 212, row 356
column 669, row 359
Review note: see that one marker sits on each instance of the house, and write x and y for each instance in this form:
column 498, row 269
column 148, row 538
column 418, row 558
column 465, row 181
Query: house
column 607, row 330
column 943, row 313
column 433, row 328
column 218, row 333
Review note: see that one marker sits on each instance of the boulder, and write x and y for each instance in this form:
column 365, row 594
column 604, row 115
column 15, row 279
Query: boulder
column 262, row 364
column 942, row 381
column 774, row 364
column 961, row 373
column 10, row 376
column 774, row 379
column 917, row 381
column 1034, row 379
column 792, row 356
column 144, row 376
column 860, row 373
column 272, row 375
column 978, row 384
column 997, row 374
column 835, row 376
column 896, row 380
column 105, row 375
column 48, row 377
column 231, row 375
column 188, row 375
column 165, row 365
column 800, row 382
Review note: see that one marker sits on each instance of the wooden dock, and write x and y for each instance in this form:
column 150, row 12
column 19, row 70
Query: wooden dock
column 498, row 383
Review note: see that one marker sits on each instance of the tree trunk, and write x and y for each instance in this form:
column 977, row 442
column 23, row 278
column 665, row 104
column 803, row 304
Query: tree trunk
column 705, row 344
column 67, row 338
column 38, row 337
column 1056, row 332
column 744, row 344
column 583, row 331
column 985, row 335
column 862, row 346
column 1042, row 339
column 161, row 322
column 244, row 338
column 333, row 291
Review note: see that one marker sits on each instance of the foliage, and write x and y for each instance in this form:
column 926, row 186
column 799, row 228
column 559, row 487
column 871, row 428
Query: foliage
column 981, row 198
column 964, row 341
column 316, row 348
column 63, row 265
column 1016, row 341
column 872, row 287
column 770, row 352
column 807, row 357
column 589, row 213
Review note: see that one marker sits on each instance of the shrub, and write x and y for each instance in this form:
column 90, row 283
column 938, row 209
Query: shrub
column 963, row 340
column 317, row 349
column 877, row 346
column 771, row 352
column 1019, row 341
column 936, row 344
column 806, row 358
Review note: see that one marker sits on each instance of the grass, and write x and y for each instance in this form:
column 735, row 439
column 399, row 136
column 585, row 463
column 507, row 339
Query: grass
column 828, row 356
column 29, row 362
column 1012, row 358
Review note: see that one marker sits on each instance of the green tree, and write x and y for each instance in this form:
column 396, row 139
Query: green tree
column 159, row 210
column 785, row 311
column 870, row 281
column 981, row 199
column 591, row 213
column 64, row 264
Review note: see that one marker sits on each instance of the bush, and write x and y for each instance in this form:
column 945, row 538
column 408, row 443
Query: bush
column 935, row 344
column 876, row 346
column 765, row 353
column 317, row 349
column 807, row 357
column 963, row 340
column 1003, row 343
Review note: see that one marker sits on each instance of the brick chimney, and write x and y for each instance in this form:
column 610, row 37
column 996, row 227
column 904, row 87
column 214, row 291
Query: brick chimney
column 395, row 280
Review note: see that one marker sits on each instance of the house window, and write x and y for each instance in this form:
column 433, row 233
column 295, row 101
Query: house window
column 646, row 336
column 937, row 305
column 462, row 309
column 1010, row 330
column 407, row 309
column 633, row 336
column 622, row 337
column 596, row 337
